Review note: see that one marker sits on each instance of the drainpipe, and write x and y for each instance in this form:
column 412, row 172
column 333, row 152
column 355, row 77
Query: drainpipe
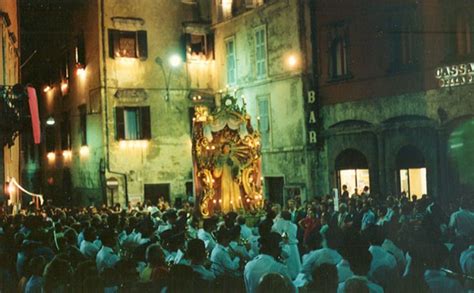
column 106, row 105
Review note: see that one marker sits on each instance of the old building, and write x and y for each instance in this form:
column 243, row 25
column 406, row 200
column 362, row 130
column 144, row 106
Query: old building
column 389, row 108
column 123, row 105
column 262, row 58
column 9, row 76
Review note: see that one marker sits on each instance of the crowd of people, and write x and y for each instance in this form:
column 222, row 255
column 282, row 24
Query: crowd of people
column 360, row 244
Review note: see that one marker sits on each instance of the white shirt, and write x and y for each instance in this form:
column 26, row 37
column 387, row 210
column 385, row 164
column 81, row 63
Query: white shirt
column 317, row 257
column 383, row 268
column 439, row 282
column 208, row 239
column 260, row 266
column 240, row 249
column 89, row 249
column 204, row 273
column 254, row 246
column 106, row 258
column 389, row 246
column 373, row 288
column 222, row 263
column 463, row 222
column 344, row 271
column 245, row 232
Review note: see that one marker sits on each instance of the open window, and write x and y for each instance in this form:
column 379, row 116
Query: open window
column 412, row 171
column 132, row 123
column 128, row 44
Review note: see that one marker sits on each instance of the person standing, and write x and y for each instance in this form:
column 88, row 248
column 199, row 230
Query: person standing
column 288, row 230
column 266, row 262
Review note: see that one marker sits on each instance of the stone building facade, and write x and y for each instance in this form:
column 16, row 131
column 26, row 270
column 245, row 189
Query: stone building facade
column 387, row 119
column 262, row 57
column 9, row 76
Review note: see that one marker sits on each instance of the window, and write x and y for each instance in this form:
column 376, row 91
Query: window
column 413, row 181
column 128, row 44
column 80, row 52
column 132, row 123
column 264, row 121
column 261, row 52
column 338, row 57
column 463, row 35
column 354, row 179
column 403, row 45
column 230, row 60
column 65, row 132
column 83, row 124
column 200, row 45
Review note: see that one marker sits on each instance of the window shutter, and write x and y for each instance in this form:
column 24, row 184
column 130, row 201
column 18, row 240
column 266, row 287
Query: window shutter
column 81, row 50
column 142, row 45
column 114, row 38
column 210, row 46
column 146, row 122
column 119, row 123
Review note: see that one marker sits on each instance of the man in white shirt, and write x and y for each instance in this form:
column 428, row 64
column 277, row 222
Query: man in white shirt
column 245, row 231
column 196, row 252
column 88, row 248
column 205, row 234
column 462, row 221
column 106, row 257
column 266, row 262
column 223, row 263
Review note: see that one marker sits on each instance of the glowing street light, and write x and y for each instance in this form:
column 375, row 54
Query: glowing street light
column 175, row 60
column 50, row 121
column 292, row 61
column 46, row 89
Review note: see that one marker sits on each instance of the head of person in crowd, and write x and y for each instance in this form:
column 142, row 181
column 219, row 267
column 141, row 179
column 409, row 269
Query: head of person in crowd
column 36, row 266
column 235, row 233
column 155, row 256
column 209, row 225
column 193, row 222
column 342, row 208
column 333, row 238
column 274, row 282
column 314, row 240
column 270, row 215
column 291, row 204
column 170, row 216
column 285, row 215
column 356, row 285
column 374, row 235
column 270, row 244
column 229, row 219
column 196, row 251
column 241, row 220
column 276, row 208
column 325, row 279
column 223, row 236
column 90, row 234
column 108, row 238
column 265, row 227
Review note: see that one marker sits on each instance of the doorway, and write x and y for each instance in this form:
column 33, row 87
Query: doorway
column 155, row 191
column 411, row 171
column 274, row 189
column 352, row 171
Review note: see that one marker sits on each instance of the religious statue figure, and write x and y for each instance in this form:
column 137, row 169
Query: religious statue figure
column 228, row 170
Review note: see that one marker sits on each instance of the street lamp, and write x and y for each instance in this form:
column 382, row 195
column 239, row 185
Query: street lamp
column 174, row 62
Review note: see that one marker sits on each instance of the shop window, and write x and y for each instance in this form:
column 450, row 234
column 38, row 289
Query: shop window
column 338, row 51
column 83, row 124
column 231, row 61
column 261, row 52
column 353, row 171
column 263, row 121
column 128, row 44
column 132, row 123
column 411, row 171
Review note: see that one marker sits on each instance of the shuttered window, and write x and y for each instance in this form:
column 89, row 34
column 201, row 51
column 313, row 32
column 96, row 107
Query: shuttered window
column 264, row 121
column 132, row 123
column 261, row 52
column 128, row 44
column 231, row 63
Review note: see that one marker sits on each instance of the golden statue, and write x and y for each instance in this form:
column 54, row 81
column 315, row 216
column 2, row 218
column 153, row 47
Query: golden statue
column 227, row 159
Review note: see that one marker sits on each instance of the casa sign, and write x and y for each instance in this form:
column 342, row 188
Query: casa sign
column 455, row 75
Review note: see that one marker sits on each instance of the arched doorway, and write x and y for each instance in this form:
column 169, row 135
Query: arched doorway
column 352, row 171
column 411, row 171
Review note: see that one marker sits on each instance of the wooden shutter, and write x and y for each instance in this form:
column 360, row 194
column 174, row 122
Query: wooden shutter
column 119, row 123
column 114, row 38
column 81, row 50
column 210, row 46
column 142, row 45
column 146, row 122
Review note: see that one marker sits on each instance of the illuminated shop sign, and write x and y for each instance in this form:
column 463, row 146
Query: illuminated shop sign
column 311, row 123
column 455, row 75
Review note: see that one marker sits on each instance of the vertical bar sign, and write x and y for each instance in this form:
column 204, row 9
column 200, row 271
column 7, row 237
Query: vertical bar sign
column 35, row 121
column 311, row 122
